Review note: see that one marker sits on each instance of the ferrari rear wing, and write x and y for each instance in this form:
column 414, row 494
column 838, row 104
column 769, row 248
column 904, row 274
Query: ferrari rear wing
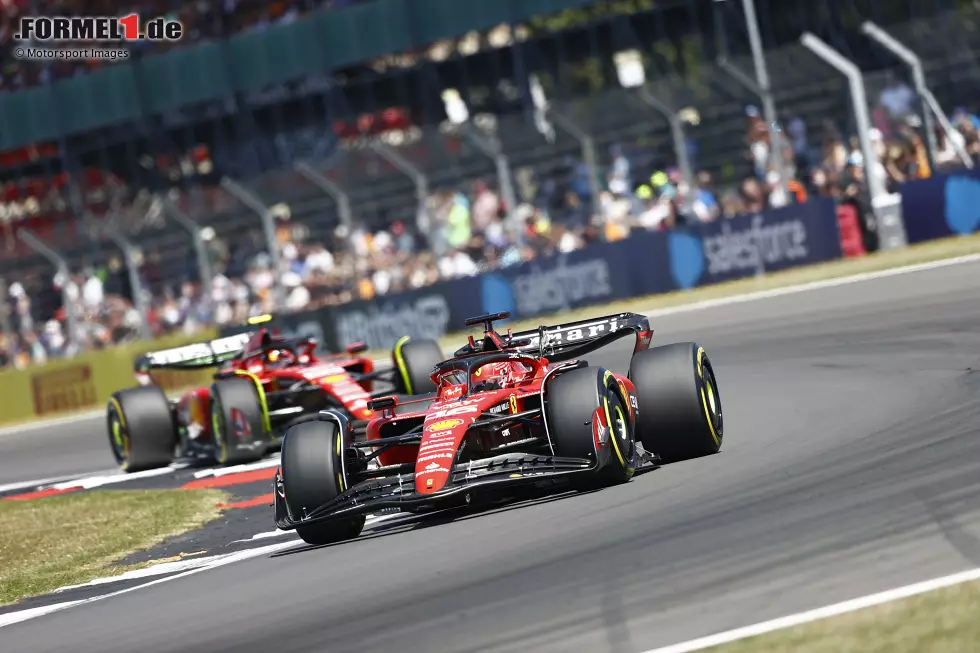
column 210, row 353
column 575, row 338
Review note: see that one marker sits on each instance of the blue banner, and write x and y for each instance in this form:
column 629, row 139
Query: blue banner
column 941, row 206
column 749, row 245
column 646, row 263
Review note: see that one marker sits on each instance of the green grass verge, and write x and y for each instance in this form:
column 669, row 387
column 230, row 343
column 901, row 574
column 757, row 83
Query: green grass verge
column 947, row 621
column 70, row 539
column 921, row 253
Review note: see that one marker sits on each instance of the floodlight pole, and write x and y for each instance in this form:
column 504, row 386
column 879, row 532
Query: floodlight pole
column 492, row 149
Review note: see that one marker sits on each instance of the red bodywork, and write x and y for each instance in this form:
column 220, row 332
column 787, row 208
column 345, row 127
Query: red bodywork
column 277, row 369
column 446, row 419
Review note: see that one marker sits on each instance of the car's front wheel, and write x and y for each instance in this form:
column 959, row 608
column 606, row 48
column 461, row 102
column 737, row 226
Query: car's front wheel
column 312, row 475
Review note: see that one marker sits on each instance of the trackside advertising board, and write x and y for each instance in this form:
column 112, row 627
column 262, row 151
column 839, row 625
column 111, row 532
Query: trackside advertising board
column 941, row 206
column 86, row 381
column 646, row 263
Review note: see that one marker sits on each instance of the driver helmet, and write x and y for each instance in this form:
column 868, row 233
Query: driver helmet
column 277, row 358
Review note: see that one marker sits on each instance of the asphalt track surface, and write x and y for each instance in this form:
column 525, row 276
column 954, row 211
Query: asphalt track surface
column 851, row 465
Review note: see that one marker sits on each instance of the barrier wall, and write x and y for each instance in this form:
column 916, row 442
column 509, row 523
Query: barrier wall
column 647, row 263
column 86, row 381
column 941, row 206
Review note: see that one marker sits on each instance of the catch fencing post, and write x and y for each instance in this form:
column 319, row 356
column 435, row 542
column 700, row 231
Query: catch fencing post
column 193, row 230
column 331, row 188
column 929, row 104
column 676, row 130
column 61, row 265
column 859, row 102
column 587, row 143
column 416, row 175
column 250, row 200
column 4, row 307
column 892, row 44
column 886, row 208
column 135, row 283
column 764, row 93
column 491, row 148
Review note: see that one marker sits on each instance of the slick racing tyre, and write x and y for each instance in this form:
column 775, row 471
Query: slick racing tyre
column 587, row 418
column 679, row 407
column 312, row 474
column 238, row 425
column 141, row 426
column 413, row 361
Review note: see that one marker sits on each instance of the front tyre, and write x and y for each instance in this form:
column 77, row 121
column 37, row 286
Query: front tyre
column 587, row 418
column 312, row 475
column 238, row 426
column 413, row 361
column 142, row 433
column 680, row 415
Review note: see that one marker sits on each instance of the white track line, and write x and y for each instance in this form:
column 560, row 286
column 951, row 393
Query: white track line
column 32, row 613
column 820, row 613
column 813, row 285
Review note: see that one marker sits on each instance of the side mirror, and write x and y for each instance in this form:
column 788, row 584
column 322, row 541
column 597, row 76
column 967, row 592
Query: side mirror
column 356, row 348
column 378, row 405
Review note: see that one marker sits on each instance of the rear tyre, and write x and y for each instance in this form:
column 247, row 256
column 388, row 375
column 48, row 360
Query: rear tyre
column 413, row 361
column 237, row 422
column 587, row 418
column 142, row 433
column 312, row 475
column 679, row 414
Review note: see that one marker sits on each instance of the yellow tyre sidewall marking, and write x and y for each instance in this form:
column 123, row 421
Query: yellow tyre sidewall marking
column 263, row 405
column 216, row 431
column 612, row 436
column 704, row 399
column 400, row 363
column 121, row 421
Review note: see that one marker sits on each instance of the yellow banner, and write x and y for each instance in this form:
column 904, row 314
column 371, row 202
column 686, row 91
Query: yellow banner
column 86, row 381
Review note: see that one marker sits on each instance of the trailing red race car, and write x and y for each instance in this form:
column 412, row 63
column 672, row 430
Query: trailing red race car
column 264, row 384
column 508, row 410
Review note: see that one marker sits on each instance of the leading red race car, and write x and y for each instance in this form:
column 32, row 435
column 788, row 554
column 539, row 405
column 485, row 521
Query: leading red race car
column 264, row 384
column 520, row 409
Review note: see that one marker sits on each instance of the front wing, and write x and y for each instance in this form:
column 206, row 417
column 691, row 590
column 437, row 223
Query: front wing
column 399, row 491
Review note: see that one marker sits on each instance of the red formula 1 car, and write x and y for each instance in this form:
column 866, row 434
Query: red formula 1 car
column 264, row 383
column 514, row 410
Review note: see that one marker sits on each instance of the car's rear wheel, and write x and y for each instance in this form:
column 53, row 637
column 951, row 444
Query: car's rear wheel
column 679, row 406
column 413, row 361
column 142, row 433
column 587, row 418
column 238, row 425
column 312, row 475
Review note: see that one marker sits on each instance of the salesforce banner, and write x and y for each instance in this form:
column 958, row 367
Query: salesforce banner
column 646, row 263
column 941, row 206
column 600, row 273
column 751, row 245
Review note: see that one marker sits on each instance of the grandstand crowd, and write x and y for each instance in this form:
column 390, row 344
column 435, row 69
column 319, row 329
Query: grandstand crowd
column 469, row 233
